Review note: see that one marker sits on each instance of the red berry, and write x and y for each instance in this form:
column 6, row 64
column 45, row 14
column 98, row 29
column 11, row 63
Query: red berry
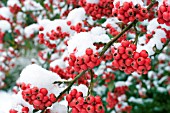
column 45, row 99
column 36, row 103
column 90, row 99
column 97, row 99
column 129, row 51
column 128, row 61
column 39, row 96
column 143, row 53
column 90, row 109
column 89, row 51
column 121, row 49
column 116, row 56
column 48, row 104
column 80, row 100
column 73, row 92
column 99, row 108
column 41, row 28
column 166, row 16
column 13, row 111
column 75, row 110
column 140, row 61
column 53, row 98
column 136, row 55
column 35, row 90
column 44, row 91
column 126, row 6
column 26, row 109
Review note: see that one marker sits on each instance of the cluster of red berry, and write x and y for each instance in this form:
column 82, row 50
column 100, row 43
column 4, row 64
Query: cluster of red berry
column 128, row 60
column 54, row 35
column 114, row 32
column 80, row 105
column 14, row 9
column 108, row 77
column 164, row 14
column 24, row 110
column 65, row 73
column 103, row 8
column 128, row 12
column 112, row 97
column 39, row 98
column 87, row 61
column 78, row 28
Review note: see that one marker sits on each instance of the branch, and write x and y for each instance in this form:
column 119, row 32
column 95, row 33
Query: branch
column 90, row 89
column 71, row 83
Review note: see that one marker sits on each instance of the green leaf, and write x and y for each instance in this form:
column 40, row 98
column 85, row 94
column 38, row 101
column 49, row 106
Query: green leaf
column 111, row 86
column 101, row 21
column 57, row 16
column 110, row 35
column 29, row 19
column 9, row 39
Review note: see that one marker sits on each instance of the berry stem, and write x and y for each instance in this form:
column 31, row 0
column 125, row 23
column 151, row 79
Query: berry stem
column 62, row 82
column 137, row 35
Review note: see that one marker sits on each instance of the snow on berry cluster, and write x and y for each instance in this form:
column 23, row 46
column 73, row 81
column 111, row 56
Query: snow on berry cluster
column 78, row 43
column 88, row 61
column 157, row 35
column 128, row 12
column 98, row 8
column 128, row 60
column 49, row 34
column 79, row 104
column 164, row 13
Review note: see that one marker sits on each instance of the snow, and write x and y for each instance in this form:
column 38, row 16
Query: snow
column 58, row 62
column 5, row 12
column 112, row 21
column 100, row 90
column 161, row 89
column 136, row 100
column 31, row 29
column 81, row 88
column 13, row 2
column 162, row 56
column 92, row 1
column 120, row 83
column 58, row 108
column 40, row 77
column 155, row 41
column 6, row 102
column 79, row 13
column 153, row 24
column 30, row 5
column 52, row 25
column 84, row 40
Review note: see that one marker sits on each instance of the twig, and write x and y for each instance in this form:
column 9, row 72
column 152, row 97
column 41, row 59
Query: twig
column 90, row 89
column 71, row 83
